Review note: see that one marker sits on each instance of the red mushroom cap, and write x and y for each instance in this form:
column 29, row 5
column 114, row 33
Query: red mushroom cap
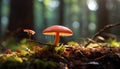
column 58, row 31
column 63, row 31
column 29, row 31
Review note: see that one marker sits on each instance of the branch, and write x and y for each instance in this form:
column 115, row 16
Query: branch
column 103, row 30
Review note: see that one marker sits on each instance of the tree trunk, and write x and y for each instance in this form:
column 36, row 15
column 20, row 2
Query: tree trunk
column 61, row 12
column 102, row 14
column 0, row 18
column 61, row 17
column 21, row 17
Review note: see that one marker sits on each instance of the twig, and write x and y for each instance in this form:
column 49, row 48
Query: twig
column 93, row 41
column 103, row 30
column 100, row 58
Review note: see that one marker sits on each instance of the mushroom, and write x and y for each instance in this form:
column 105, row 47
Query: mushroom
column 58, row 31
column 29, row 32
column 8, row 51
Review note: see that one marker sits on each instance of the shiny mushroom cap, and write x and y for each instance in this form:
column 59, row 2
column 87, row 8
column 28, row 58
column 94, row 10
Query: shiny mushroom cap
column 29, row 31
column 63, row 31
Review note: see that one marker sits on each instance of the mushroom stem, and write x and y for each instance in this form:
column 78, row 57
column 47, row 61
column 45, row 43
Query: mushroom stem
column 29, row 34
column 57, row 39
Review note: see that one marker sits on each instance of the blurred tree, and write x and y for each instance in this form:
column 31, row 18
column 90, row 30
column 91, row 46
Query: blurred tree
column 114, row 9
column 46, row 13
column 21, row 16
column 102, row 14
column 61, row 12
column 0, row 17
column 77, row 16
column 61, row 17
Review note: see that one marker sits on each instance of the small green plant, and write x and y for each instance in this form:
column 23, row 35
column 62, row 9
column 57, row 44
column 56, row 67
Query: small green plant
column 60, row 49
column 113, row 43
column 72, row 43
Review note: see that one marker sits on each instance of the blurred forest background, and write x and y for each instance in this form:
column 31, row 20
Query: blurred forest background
column 84, row 17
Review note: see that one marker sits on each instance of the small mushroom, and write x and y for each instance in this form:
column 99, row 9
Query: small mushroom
column 36, row 49
column 58, row 31
column 8, row 51
column 18, row 50
column 29, row 32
